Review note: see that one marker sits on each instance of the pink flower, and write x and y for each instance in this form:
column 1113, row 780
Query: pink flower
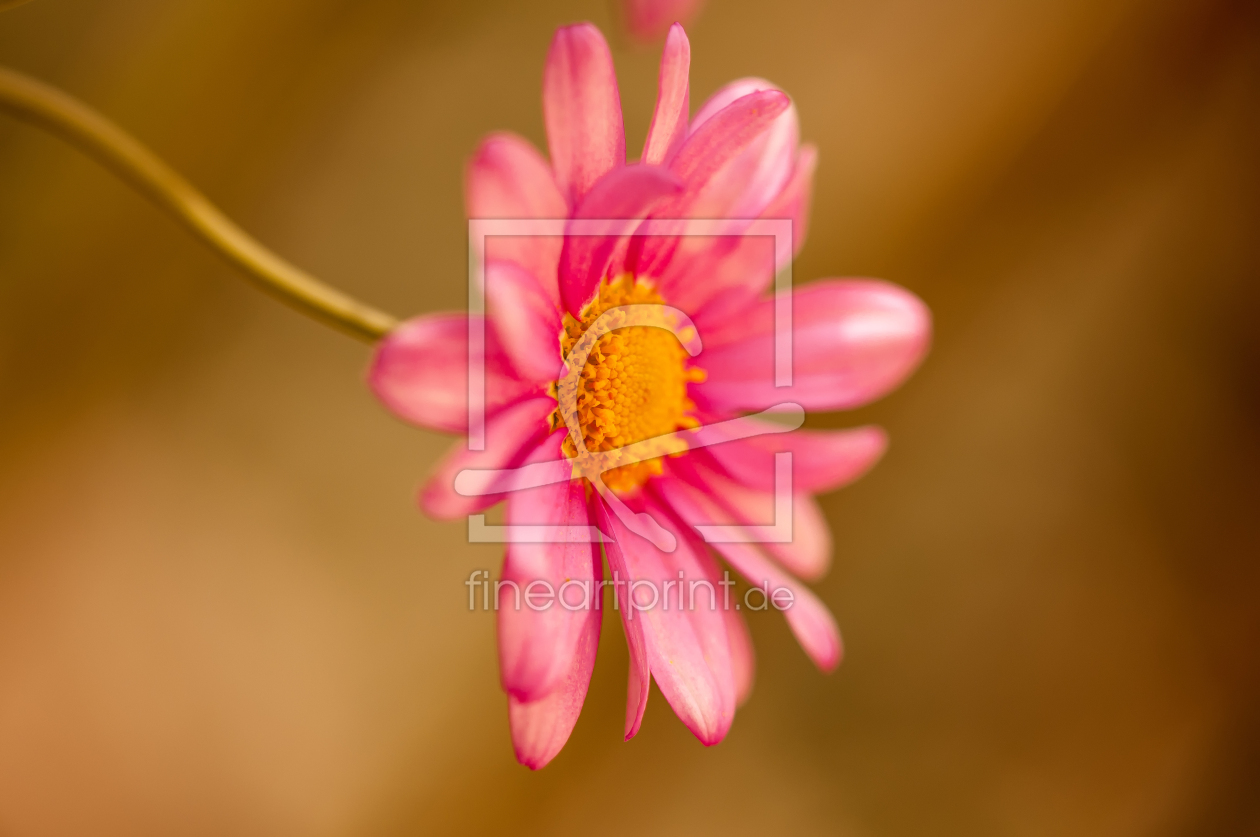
column 853, row 341
column 647, row 20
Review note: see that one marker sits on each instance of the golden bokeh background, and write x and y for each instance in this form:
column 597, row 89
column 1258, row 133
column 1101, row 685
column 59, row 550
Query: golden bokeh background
column 221, row 612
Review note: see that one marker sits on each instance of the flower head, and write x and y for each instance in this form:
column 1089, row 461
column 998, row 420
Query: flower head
column 620, row 369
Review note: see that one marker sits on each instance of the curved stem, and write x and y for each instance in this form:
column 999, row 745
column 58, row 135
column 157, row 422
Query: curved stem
column 50, row 108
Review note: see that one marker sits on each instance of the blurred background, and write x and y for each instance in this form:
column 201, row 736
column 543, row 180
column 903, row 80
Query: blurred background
column 221, row 612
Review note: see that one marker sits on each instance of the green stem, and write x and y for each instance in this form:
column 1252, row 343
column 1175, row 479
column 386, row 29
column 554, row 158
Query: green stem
column 50, row 108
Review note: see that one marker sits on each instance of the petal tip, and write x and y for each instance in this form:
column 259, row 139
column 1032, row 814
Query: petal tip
column 430, row 500
column 829, row 659
column 716, row 735
column 534, row 762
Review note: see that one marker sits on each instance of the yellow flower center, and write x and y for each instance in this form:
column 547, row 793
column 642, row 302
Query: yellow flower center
column 633, row 386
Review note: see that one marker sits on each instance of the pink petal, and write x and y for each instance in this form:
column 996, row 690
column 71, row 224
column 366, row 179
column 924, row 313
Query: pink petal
column 640, row 679
column 726, row 135
column 511, row 435
column 743, row 659
column 744, row 187
column 808, row 617
column 730, row 276
column 822, row 460
column 526, row 321
column 808, row 554
column 704, row 616
column 709, row 619
column 647, row 20
column 700, row 158
column 582, row 110
column 541, row 728
column 508, row 178
column 687, row 650
column 620, row 197
column 853, row 342
column 537, row 643
column 755, row 182
column 669, row 120
column 420, row 372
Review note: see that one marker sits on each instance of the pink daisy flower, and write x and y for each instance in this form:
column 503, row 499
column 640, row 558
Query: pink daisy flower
column 852, row 342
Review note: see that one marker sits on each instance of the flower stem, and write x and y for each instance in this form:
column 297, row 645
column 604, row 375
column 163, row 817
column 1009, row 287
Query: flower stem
column 50, row 108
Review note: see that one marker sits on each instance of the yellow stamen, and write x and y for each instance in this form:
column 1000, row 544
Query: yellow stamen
column 634, row 385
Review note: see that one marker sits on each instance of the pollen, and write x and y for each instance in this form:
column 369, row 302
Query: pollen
column 633, row 386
